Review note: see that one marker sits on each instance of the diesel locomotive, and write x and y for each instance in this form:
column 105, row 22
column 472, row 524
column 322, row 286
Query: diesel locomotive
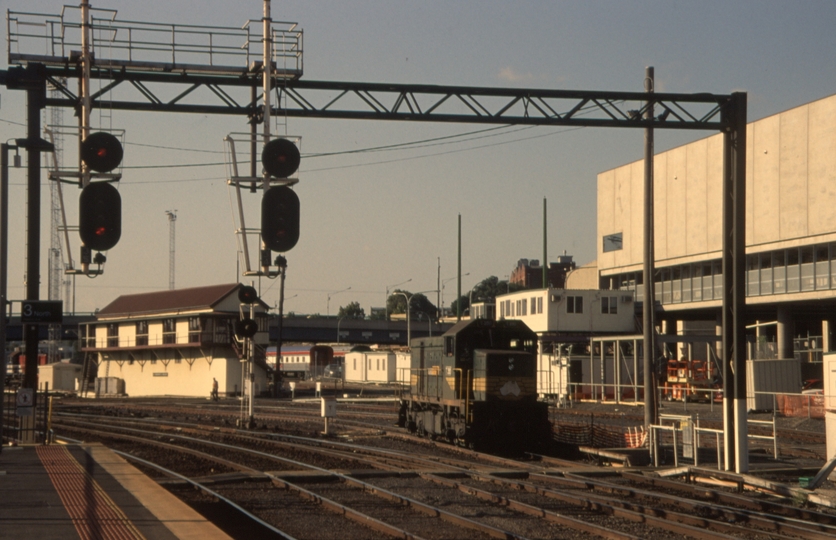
column 476, row 386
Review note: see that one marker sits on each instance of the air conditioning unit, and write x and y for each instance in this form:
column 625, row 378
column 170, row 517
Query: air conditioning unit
column 626, row 299
column 556, row 298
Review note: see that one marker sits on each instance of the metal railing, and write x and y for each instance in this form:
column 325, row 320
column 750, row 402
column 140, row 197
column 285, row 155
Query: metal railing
column 118, row 43
column 24, row 425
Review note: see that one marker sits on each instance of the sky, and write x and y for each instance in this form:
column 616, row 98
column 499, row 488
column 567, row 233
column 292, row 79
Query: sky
column 373, row 220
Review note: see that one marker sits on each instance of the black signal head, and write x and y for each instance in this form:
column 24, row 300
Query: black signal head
column 101, row 151
column 280, row 158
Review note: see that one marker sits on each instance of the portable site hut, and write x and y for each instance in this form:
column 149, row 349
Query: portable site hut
column 60, row 376
column 370, row 367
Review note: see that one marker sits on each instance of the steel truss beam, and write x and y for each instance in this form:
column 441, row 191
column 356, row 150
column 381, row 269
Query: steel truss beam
column 405, row 102
column 459, row 104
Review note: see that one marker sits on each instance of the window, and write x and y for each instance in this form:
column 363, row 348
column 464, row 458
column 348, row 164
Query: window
column 194, row 329
column 141, row 333
column 609, row 305
column 169, row 331
column 112, row 335
column 449, row 348
column 613, row 242
column 222, row 330
column 533, row 305
column 793, row 271
column 524, row 306
column 574, row 304
column 540, row 305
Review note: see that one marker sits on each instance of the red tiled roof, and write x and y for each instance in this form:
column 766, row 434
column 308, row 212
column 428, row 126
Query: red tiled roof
column 169, row 301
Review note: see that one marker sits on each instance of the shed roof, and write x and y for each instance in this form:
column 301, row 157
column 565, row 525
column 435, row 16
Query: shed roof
column 169, row 301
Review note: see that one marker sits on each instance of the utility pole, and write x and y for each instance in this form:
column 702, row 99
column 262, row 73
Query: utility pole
column 649, row 304
column 172, row 217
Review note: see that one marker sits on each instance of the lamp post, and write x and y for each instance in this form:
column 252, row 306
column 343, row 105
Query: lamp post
column 443, row 283
column 409, row 298
column 340, row 320
column 386, row 302
column 429, row 321
column 470, row 301
column 328, row 304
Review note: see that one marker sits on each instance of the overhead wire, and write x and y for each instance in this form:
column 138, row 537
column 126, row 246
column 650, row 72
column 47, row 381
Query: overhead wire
column 422, row 143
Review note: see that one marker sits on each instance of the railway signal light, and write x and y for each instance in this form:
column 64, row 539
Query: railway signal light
column 280, row 158
column 101, row 152
column 247, row 294
column 280, row 218
column 246, row 327
column 100, row 216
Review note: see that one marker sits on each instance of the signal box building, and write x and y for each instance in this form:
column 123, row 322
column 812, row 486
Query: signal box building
column 175, row 342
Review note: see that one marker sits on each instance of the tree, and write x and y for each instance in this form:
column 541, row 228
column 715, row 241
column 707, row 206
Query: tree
column 485, row 291
column 352, row 311
column 396, row 303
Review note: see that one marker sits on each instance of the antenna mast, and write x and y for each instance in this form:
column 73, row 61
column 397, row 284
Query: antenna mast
column 172, row 217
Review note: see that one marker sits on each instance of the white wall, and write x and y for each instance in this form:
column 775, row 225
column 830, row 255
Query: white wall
column 791, row 170
column 60, row 376
column 181, row 378
column 374, row 366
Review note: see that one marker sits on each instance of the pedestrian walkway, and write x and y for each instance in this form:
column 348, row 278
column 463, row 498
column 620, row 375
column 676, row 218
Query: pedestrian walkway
column 86, row 491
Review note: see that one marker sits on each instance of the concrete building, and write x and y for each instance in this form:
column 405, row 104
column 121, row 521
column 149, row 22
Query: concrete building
column 175, row 342
column 790, row 228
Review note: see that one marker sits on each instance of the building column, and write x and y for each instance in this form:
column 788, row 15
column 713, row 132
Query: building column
column 826, row 336
column 669, row 328
column 784, row 332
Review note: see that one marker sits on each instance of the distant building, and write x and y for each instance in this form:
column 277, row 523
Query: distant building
column 529, row 273
column 483, row 310
column 175, row 342
column 583, row 277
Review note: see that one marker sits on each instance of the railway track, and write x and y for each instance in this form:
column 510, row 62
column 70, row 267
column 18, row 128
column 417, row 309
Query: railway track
column 394, row 488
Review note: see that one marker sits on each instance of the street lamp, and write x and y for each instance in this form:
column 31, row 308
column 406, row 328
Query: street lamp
column 429, row 321
column 443, row 283
column 470, row 301
column 328, row 304
column 386, row 303
column 409, row 298
column 338, row 327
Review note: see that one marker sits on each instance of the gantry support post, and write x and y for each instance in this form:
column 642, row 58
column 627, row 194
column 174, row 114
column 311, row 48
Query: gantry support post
column 734, row 282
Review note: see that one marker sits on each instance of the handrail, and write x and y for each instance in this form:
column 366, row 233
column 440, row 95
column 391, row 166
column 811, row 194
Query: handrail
column 126, row 42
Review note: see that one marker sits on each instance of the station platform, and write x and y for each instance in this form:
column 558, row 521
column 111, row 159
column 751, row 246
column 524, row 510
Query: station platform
column 86, row 491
